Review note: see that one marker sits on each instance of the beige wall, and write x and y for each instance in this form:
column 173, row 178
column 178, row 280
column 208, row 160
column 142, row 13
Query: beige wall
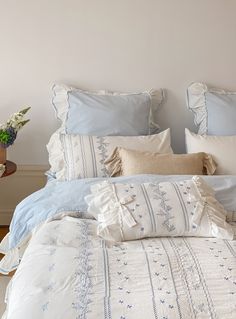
column 120, row 45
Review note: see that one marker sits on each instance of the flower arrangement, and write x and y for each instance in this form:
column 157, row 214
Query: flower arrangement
column 9, row 130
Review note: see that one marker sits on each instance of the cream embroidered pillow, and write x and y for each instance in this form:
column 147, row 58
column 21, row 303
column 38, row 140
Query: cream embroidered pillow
column 134, row 211
column 124, row 162
column 81, row 156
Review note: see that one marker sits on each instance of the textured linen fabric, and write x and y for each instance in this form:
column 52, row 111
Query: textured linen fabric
column 125, row 162
column 78, row 156
column 185, row 208
column 221, row 148
column 214, row 109
column 69, row 272
column 104, row 113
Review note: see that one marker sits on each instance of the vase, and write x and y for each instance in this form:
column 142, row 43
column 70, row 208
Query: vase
column 3, row 155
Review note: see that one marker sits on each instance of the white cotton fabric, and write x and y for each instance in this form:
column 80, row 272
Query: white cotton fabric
column 69, row 272
column 196, row 103
column 221, row 148
column 77, row 156
column 134, row 211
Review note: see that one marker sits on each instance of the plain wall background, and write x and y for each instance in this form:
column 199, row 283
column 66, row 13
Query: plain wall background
column 120, row 45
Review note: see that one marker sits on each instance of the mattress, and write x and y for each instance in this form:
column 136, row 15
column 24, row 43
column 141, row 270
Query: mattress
column 67, row 271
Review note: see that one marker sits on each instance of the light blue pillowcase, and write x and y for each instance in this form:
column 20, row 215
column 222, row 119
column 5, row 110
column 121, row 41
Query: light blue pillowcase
column 108, row 115
column 101, row 113
column 214, row 109
column 221, row 113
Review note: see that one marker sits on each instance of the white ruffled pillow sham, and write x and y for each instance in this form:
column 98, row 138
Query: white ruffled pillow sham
column 214, row 109
column 135, row 211
column 77, row 156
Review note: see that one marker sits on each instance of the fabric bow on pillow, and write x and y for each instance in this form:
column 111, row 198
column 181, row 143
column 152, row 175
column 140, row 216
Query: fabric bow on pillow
column 135, row 211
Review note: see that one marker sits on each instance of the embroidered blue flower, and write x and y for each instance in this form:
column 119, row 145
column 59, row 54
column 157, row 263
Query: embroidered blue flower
column 51, row 267
column 84, row 283
column 45, row 306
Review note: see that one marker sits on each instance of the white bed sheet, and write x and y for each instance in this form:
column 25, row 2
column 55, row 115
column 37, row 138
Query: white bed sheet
column 68, row 272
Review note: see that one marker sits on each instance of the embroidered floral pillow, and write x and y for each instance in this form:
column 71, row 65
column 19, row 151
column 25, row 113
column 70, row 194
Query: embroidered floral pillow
column 134, row 211
column 79, row 156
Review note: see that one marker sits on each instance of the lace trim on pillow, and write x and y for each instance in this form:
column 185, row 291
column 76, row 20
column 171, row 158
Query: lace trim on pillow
column 207, row 204
column 196, row 102
column 56, row 153
column 157, row 97
column 60, row 103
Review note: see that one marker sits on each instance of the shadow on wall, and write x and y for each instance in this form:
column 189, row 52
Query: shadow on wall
column 174, row 113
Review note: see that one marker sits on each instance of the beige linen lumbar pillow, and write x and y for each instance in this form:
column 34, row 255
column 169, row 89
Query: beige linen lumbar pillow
column 124, row 162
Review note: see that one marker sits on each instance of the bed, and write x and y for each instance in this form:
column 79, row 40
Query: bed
column 67, row 271
column 71, row 273
column 66, row 268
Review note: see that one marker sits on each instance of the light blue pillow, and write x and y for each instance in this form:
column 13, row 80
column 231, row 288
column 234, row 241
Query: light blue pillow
column 106, row 113
column 214, row 109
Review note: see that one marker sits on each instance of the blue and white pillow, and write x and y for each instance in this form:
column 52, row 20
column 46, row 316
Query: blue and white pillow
column 214, row 109
column 106, row 113
column 135, row 211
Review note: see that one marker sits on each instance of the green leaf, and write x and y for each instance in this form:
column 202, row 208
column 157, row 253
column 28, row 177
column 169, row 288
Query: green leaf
column 24, row 111
column 24, row 122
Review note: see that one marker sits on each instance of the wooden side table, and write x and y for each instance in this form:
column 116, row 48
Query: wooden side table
column 10, row 168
